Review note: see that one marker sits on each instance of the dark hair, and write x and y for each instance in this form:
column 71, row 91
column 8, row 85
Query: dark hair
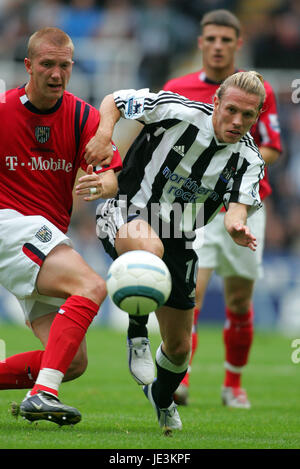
column 221, row 18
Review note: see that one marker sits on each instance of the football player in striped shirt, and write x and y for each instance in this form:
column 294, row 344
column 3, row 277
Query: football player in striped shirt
column 189, row 160
column 219, row 42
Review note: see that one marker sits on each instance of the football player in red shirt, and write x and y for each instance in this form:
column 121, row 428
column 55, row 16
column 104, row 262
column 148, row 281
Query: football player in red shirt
column 44, row 134
column 219, row 42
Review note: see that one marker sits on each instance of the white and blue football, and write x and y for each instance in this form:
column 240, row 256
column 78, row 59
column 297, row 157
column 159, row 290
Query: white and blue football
column 139, row 282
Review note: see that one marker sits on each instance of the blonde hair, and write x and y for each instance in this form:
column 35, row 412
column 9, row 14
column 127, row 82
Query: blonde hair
column 55, row 36
column 251, row 82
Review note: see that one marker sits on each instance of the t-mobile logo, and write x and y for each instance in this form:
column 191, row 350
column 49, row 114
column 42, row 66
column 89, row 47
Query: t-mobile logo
column 39, row 163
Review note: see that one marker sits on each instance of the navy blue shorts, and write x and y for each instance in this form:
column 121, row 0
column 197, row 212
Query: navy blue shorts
column 181, row 260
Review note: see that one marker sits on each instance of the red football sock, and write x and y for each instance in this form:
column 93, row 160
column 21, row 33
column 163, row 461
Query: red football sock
column 185, row 380
column 238, row 337
column 20, row 371
column 66, row 334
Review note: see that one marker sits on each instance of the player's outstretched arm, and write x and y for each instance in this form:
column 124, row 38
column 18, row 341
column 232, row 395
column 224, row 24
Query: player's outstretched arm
column 93, row 186
column 235, row 223
column 99, row 149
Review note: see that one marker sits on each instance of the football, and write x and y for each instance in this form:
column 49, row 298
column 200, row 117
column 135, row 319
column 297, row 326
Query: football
column 138, row 282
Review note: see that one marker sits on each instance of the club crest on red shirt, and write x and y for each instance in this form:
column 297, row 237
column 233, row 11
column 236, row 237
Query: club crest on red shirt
column 42, row 133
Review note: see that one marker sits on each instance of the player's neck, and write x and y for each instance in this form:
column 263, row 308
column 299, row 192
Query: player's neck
column 42, row 104
column 218, row 75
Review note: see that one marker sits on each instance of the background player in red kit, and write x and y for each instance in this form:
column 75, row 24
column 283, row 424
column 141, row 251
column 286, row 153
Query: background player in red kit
column 44, row 134
column 219, row 41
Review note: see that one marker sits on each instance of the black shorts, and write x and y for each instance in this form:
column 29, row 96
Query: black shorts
column 181, row 260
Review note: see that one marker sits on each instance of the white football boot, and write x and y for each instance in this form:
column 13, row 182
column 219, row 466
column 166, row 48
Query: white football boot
column 181, row 395
column 168, row 418
column 140, row 360
column 235, row 397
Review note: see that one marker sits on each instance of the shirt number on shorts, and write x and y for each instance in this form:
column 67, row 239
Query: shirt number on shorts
column 191, row 271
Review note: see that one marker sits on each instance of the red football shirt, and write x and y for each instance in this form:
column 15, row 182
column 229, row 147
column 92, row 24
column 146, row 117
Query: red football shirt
column 266, row 132
column 41, row 153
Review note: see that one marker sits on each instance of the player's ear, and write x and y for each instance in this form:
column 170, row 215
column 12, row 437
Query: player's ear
column 216, row 100
column 258, row 115
column 27, row 63
column 200, row 42
column 239, row 43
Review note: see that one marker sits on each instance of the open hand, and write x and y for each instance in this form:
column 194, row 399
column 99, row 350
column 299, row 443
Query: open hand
column 242, row 235
column 90, row 185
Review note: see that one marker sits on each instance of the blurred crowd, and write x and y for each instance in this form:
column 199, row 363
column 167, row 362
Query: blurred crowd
column 166, row 34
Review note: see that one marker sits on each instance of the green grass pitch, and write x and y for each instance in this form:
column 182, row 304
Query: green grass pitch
column 116, row 414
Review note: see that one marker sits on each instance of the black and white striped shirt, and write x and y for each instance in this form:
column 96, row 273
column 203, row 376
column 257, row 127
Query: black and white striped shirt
column 177, row 159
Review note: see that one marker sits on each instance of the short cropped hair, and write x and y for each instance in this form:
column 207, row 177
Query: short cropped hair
column 55, row 36
column 251, row 82
column 221, row 18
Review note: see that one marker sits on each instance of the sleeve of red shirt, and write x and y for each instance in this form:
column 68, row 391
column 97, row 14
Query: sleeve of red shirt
column 89, row 130
column 172, row 85
column 267, row 131
column 167, row 86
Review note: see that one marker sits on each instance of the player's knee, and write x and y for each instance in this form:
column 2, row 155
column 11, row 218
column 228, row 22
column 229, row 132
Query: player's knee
column 155, row 246
column 239, row 303
column 95, row 289
column 179, row 353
